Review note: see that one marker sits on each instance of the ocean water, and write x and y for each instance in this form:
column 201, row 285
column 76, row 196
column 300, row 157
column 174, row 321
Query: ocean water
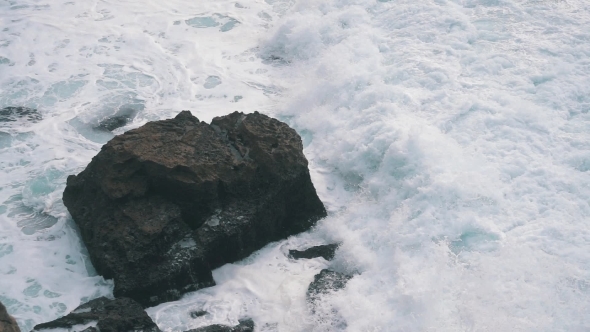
column 449, row 140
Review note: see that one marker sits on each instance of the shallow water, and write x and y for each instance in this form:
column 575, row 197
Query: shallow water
column 448, row 140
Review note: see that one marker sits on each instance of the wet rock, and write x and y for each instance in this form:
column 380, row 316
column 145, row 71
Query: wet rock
column 325, row 282
column 118, row 120
column 7, row 323
column 105, row 315
column 162, row 205
column 326, row 251
column 198, row 313
column 246, row 325
column 13, row 114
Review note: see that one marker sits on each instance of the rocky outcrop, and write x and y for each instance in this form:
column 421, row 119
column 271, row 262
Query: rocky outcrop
column 105, row 315
column 161, row 206
column 246, row 325
column 7, row 323
column 327, row 251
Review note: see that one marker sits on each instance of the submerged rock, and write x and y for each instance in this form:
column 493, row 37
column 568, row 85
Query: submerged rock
column 105, row 315
column 326, row 251
column 162, row 205
column 13, row 114
column 7, row 323
column 246, row 325
column 118, row 120
column 325, row 282
column 198, row 313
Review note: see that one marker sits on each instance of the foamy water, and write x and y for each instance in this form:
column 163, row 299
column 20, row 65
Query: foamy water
column 448, row 139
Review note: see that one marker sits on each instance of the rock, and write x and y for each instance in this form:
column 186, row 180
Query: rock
column 7, row 323
column 162, row 205
column 246, row 325
column 326, row 251
column 118, row 120
column 198, row 313
column 325, row 282
column 13, row 114
column 105, row 315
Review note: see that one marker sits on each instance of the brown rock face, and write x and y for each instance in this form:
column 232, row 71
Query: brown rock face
column 7, row 323
column 160, row 206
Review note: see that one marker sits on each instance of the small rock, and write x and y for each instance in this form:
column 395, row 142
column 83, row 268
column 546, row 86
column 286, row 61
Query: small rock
column 326, row 251
column 246, row 325
column 199, row 313
column 118, row 120
column 121, row 314
column 13, row 114
column 7, row 323
column 325, row 282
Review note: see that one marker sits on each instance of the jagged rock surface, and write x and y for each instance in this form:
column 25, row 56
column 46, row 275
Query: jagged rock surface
column 117, row 315
column 326, row 251
column 7, row 323
column 161, row 206
column 246, row 325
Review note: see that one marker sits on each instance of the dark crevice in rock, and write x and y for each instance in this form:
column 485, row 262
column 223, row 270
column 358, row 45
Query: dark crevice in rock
column 326, row 251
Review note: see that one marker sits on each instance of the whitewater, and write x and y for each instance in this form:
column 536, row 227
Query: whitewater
column 448, row 139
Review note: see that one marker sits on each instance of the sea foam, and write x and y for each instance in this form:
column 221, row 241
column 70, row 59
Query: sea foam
column 448, row 139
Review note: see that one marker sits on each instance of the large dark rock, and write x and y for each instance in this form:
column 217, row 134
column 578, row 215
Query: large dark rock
column 7, row 323
column 246, row 325
column 327, row 251
column 118, row 315
column 162, row 205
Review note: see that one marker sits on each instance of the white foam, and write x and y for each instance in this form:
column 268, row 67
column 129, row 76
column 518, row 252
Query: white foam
column 454, row 127
column 448, row 140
